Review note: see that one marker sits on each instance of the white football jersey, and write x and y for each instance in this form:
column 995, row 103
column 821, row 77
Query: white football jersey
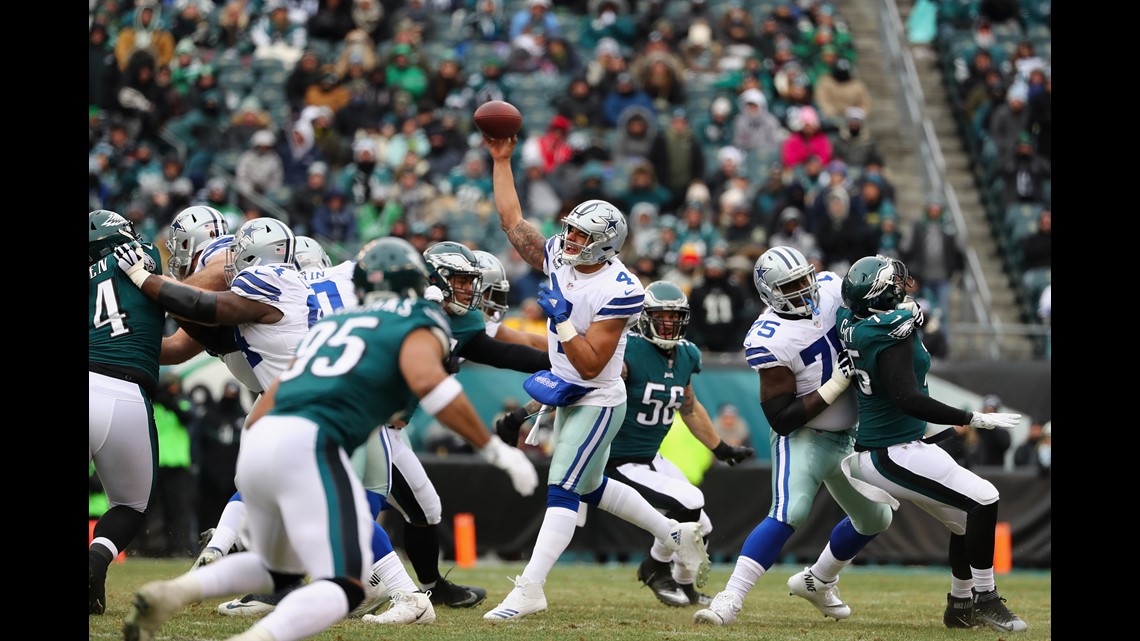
column 333, row 287
column 216, row 247
column 808, row 347
column 266, row 349
column 611, row 292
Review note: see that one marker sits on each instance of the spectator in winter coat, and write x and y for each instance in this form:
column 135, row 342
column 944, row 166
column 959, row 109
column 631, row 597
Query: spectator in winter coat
column 754, row 130
column 807, row 139
column 623, row 95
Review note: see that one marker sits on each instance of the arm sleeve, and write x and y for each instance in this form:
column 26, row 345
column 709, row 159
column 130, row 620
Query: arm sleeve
column 896, row 364
column 521, row 358
column 785, row 413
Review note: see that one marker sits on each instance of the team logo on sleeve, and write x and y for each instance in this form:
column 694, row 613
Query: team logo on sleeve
column 904, row 330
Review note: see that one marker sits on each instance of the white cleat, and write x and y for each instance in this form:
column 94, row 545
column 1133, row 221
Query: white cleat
column 722, row 611
column 824, row 596
column 408, row 607
column 375, row 594
column 526, row 598
column 155, row 603
column 208, row 556
column 689, row 547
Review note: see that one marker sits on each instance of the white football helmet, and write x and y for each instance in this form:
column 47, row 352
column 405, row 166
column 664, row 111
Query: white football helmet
column 190, row 231
column 604, row 224
column 495, row 284
column 310, row 254
column 261, row 241
column 786, row 281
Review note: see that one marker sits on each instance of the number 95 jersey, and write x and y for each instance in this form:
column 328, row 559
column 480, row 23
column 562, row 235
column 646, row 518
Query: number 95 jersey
column 808, row 347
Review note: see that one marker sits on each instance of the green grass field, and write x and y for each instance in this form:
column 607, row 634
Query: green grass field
column 606, row 602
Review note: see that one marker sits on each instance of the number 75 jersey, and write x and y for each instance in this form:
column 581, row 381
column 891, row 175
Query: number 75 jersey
column 809, row 348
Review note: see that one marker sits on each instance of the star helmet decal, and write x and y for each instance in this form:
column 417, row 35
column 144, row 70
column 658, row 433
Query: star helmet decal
column 611, row 222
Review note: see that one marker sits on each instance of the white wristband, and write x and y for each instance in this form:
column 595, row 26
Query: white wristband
column 138, row 277
column 831, row 390
column 441, row 395
column 566, row 331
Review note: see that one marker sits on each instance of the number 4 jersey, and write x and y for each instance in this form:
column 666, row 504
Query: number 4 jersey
column 126, row 327
column 656, row 383
column 809, row 348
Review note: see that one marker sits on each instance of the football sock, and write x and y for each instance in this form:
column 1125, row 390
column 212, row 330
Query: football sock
column 660, row 551
column 845, row 543
column 745, row 575
column 118, row 527
column 240, row 574
column 827, row 568
column 623, row 501
column 226, row 532
column 381, row 544
column 392, row 573
column 980, row 526
column 961, row 588
column 555, row 534
column 421, row 544
column 764, row 543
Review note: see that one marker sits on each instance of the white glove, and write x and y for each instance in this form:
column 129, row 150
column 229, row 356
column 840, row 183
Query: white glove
column 433, row 293
column 994, row 419
column 512, row 461
column 133, row 260
column 912, row 306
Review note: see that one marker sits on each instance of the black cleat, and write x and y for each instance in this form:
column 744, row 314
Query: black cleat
column 454, row 595
column 959, row 612
column 696, row 598
column 989, row 608
column 96, row 586
column 658, row 576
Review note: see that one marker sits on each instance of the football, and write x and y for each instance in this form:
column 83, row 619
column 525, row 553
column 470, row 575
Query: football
column 498, row 119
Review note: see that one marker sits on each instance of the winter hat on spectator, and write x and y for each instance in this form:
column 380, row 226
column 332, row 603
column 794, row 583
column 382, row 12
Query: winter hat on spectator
column 992, row 402
column 318, row 167
column 730, row 153
column 700, row 34
column 754, row 97
column 837, row 167
column 559, row 122
column 721, row 106
column 698, row 191
column 263, row 138
column 607, row 46
column 855, row 113
column 1019, row 92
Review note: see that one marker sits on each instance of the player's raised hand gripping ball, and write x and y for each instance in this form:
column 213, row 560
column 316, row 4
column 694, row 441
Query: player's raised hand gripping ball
column 498, row 119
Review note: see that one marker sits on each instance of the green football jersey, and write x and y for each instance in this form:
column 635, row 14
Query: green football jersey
column 655, row 389
column 881, row 422
column 126, row 326
column 466, row 327
column 346, row 377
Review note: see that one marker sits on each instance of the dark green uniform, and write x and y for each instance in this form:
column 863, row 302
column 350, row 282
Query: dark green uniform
column 464, row 328
column 346, row 377
column 655, row 388
column 126, row 326
column 881, row 422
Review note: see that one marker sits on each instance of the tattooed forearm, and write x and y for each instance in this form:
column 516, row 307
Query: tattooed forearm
column 528, row 241
column 688, row 405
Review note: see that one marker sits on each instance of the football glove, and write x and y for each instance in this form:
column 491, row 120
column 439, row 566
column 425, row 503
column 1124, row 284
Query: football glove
column 133, row 261
column 524, row 477
column 551, row 300
column 994, row 419
column 433, row 293
column 732, row 454
column 510, row 425
column 846, row 365
column 913, row 307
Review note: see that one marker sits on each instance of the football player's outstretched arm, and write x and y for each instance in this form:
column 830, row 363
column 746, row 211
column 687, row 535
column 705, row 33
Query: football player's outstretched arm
column 589, row 354
column 503, row 355
column 421, row 364
column 525, row 238
column 519, row 337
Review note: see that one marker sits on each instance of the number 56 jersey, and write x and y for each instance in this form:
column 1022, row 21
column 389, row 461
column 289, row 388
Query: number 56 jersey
column 809, row 348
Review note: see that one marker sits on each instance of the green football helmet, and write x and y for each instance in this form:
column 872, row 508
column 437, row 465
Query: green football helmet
column 455, row 271
column 663, row 297
column 875, row 285
column 387, row 267
column 107, row 231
